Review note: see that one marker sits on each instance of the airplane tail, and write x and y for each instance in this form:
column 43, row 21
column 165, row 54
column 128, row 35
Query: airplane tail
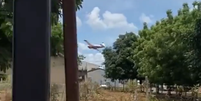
column 102, row 44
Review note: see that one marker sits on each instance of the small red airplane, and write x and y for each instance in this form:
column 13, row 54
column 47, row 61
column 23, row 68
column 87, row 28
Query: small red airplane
column 90, row 46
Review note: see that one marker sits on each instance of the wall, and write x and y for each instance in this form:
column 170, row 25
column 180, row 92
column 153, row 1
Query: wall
column 57, row 69
column 98, row 77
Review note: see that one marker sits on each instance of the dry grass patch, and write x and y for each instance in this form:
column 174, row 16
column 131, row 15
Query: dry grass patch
column 92, row 92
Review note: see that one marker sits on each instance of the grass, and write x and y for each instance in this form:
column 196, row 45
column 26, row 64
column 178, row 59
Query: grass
column 92, row 92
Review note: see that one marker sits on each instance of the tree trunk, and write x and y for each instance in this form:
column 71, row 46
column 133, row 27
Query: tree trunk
column 157, row 89
column 169, row 90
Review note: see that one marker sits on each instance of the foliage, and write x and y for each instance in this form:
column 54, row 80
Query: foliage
column 80, row 58
column 56, row 39
column 162, row 50
column 5, row 43
column 57, row 42
column 118, row 59
column 111, row 71
column 168, row 52
column 56, row 6
column 6, row 27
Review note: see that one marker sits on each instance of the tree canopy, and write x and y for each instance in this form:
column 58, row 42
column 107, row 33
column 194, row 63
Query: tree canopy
column 6, row 9
column 118, row 59
column 168, row 52
column 6, row 31
column 57, row 42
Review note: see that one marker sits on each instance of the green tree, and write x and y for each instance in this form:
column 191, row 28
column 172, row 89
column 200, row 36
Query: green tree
column 118, row 60
column 162, row 51
column 56, row 39
column 7, row 8
column 57, row 42
column 6, row 27
column 168, row 52
column 5, row 44
column 111, row 70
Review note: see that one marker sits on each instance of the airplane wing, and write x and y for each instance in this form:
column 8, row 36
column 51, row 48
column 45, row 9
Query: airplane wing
column 98, row 50
column 88, row 43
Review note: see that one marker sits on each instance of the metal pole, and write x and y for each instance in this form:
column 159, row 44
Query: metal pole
column 70, row 50
column 31, row 51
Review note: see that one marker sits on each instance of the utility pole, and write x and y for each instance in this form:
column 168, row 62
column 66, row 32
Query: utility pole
column 31, row 50
column 70, row 50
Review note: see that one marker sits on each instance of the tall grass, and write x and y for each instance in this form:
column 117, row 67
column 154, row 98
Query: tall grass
column 90, row 91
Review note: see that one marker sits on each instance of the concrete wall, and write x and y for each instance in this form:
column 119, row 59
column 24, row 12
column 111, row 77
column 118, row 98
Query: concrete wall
column 98, row 77
column 57, row 69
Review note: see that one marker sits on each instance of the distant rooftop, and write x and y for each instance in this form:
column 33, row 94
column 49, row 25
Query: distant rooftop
column 88, row 66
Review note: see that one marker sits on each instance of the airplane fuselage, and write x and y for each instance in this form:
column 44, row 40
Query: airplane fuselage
column 90, row 47
column 95, row 47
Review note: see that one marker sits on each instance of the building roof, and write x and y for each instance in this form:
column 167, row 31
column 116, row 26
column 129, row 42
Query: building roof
column 88, row 66
column 94, row 69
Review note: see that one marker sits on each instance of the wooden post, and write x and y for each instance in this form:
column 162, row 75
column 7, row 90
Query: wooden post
column 70, row 50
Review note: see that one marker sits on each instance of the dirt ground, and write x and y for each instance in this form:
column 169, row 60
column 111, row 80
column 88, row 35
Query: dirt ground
column 5, row 95
column 102, row 95
column 106, row 95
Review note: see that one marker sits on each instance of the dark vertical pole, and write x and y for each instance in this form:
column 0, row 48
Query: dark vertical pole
column 70, row 50
column 31, row 51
